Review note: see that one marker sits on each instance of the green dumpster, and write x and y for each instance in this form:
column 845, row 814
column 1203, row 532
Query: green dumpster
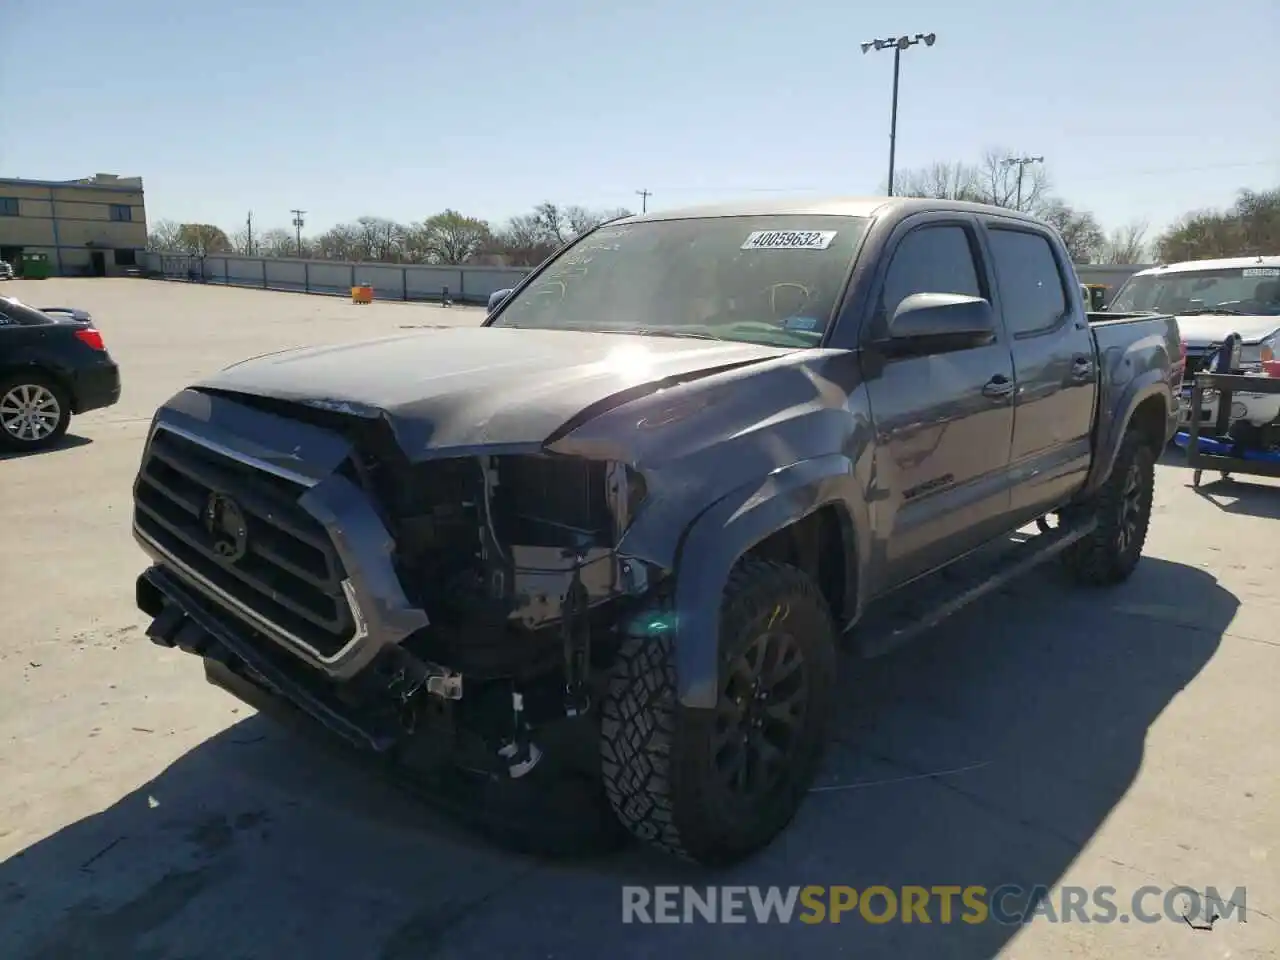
column 34, row 266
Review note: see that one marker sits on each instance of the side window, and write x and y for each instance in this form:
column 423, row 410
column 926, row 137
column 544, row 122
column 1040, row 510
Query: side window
column 1031, row 291
column 930, row 260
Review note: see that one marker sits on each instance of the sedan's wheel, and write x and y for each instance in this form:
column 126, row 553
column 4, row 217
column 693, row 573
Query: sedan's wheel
column 34, row 412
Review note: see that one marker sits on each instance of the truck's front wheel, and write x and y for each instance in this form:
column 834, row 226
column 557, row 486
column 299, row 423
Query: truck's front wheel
column 716, row 785
column 1122, row 508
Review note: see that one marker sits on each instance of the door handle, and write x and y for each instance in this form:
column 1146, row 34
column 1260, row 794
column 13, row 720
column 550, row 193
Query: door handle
column 998, row 387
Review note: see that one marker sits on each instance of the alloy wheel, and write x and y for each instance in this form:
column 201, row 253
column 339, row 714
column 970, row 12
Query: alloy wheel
column 29, row 412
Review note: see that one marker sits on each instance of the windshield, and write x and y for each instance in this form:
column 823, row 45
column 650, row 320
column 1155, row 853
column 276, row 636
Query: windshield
column 763, row 279
column 1238, row 290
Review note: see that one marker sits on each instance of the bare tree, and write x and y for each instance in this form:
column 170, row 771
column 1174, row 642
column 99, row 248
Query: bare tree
column 379, row 239
column 243, row 242
column 339, row 242
column 523, row 242
column 940, row 181
column 1127, row 244
column 165, row 236
column 581, row 220
column 279, row 242
column 1079, row 229
column 554, row 223
column 997, row 183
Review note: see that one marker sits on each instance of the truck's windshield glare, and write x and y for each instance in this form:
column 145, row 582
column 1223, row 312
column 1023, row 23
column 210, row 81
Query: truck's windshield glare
column 1248, row 290
column 764, row 279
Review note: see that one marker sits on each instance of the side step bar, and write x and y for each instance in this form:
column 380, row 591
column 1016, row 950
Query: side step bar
column 925, row 603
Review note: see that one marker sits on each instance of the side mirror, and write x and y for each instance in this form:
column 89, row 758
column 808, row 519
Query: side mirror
column 950, row 315
column 496, row 298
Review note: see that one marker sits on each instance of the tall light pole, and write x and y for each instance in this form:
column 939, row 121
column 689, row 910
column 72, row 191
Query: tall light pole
column 1021, row 163
column 897, row 44
column 644, row 196
column 298, row 223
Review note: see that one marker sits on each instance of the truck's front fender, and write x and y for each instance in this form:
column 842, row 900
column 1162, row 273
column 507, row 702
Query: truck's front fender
column 727, row 530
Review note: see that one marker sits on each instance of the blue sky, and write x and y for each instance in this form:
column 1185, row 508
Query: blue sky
column 1142, row 109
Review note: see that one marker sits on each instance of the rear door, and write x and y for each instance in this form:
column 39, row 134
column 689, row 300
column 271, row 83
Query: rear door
column 943, row 419
column 1054, row 365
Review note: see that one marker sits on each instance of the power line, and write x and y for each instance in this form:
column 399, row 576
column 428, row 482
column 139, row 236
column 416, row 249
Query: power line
column 644, row 196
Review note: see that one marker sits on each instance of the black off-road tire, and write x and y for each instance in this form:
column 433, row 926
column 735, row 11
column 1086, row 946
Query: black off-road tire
column 35, row 379
column 658, row 761
column 1122, row 507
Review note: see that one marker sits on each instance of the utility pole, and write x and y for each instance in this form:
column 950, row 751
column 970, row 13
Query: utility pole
column 298, row 224
column 644, row 196
column 248, row 235
column 1021, row 163
column 897, row 45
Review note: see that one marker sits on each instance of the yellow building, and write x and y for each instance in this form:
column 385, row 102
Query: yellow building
column 91, row 227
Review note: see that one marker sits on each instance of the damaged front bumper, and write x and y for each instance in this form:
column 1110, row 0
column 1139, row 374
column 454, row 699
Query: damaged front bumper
column 365, row 712
column 273, row 561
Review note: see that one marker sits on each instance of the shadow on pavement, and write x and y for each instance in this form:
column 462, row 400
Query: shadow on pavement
column 988, row 753
column 1239, row 495
column 69, row 442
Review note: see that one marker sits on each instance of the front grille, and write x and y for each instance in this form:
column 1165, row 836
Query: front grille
column 289, row 574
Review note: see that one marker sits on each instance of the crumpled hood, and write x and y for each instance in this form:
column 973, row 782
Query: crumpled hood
column 1204, row 329
column 464, row 387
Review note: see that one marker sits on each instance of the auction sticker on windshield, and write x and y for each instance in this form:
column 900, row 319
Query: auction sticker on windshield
column 789, row 240
column 1261, row 271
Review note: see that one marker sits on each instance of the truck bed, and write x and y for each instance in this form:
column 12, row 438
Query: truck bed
column 1135, row 351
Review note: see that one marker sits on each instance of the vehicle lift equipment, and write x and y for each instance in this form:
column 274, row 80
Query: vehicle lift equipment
column 1218, row 452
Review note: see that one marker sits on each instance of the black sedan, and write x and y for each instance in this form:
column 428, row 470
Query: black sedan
column 53, row 363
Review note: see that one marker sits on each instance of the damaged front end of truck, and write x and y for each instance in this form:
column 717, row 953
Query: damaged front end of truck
column 443, row 610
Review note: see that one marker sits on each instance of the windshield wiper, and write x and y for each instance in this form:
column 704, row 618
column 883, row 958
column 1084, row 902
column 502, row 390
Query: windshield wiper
column 663, row 332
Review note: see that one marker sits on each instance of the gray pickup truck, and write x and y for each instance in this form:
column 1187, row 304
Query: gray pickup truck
column 618, row 532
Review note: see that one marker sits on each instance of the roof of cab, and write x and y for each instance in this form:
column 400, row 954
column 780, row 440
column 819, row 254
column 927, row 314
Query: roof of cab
column 826, row 206
column 1225, row 263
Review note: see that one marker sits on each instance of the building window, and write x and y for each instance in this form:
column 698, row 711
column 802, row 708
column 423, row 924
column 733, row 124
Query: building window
column 8, row 206
column 126, row 258
column 121, row 212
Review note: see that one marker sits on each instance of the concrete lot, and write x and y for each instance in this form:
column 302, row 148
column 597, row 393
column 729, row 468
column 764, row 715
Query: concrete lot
column 1046, row 736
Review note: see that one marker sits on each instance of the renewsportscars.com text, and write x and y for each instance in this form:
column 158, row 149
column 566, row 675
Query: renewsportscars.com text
column 1009, row 904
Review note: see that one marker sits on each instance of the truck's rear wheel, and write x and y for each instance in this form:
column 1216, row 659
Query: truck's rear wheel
column 713, row 786
column 1123, row 511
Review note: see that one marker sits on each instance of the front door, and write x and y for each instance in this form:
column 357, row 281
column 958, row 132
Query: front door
column 944, row 420
column 98, row 261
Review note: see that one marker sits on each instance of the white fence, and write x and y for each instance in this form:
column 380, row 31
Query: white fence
column 390, row 281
